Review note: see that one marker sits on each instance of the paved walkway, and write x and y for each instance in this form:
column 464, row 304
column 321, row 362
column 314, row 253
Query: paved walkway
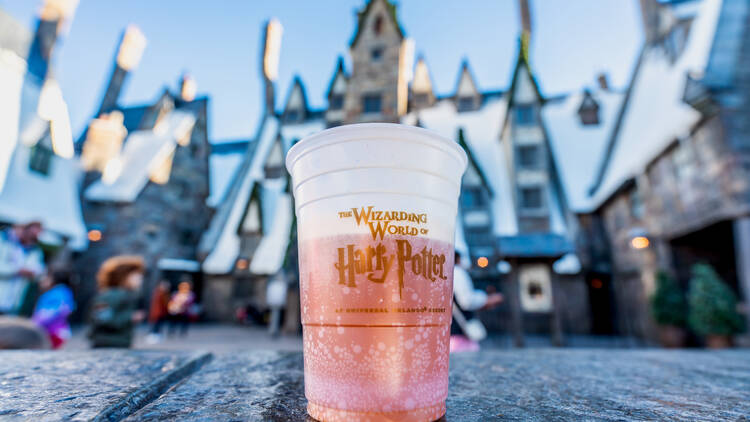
column 232, row 337
column 208, row 337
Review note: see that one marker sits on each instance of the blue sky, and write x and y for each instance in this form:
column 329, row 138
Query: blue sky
column 572, row 41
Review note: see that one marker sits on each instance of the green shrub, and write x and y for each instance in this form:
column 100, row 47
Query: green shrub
column 713, row 305
column 668, row 304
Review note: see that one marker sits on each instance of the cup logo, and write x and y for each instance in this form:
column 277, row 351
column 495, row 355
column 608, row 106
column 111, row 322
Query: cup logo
column 374, row 262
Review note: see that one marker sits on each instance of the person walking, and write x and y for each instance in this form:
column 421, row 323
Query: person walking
column 158, row 312
column 180, row 308
column 466, row 331
column 113, row 313
column 21, row 268
column 53, row 308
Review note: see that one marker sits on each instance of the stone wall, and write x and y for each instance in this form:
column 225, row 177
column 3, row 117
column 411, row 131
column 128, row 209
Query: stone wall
column 165, row 221
column 374, row 76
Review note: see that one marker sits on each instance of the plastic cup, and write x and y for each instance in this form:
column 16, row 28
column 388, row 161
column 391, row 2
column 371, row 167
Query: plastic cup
column 376, row 210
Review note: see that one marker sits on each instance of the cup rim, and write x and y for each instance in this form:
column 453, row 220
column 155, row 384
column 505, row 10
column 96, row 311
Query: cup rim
column 362, row 131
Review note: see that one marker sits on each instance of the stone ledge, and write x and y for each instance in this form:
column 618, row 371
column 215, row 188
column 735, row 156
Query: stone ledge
column 515, row 385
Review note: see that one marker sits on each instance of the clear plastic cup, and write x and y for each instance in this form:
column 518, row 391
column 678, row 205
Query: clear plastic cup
column 376, row 210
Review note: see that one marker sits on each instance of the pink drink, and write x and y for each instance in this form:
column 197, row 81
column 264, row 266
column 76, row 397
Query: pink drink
column 376, row 209
column 390, row 353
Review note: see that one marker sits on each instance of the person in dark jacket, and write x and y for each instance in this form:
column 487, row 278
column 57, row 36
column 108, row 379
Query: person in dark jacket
column 113, row 313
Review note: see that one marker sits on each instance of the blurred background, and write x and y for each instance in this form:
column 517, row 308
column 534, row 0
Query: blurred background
column 607, row 196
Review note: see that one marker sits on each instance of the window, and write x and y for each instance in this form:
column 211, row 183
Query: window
column 531, row 198
column 589, row 116
column 336, row 102
column 528, row 156
column 292, row 115
column 376, row 54
column 469, row 199
column 40, row 159
column 421, row 99
column 371, row 103
column 525, row 115
column 465, row 103
column 188, row 237
column 378, row 25
column 636, row 205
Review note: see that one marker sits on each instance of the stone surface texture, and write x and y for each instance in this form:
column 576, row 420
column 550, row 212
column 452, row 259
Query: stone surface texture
column 78, row 386
column 515, row 385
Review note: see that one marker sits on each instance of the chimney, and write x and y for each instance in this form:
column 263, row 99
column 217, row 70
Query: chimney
column 523, row 8
column 650, row 17
column 129, row 53
column 188, row 87
column 51, row 17
column 603, row 81
column 271, row 50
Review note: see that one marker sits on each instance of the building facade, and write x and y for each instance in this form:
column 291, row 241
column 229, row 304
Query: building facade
column 517, row 227
column 146, row 181
column 675, row 172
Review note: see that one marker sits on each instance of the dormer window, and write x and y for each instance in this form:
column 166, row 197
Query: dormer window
column 465, row 103
column 372, row 103
column 377, row 54
column 40, row 159
column 525, row 115
column 292, row 115
column 588, row 111
column 531, row 198
column 529, row 156
column 378, row 25
column 336, row 102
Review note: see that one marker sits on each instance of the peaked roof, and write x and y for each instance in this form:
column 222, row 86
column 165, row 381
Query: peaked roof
column 653, row 114
column 472, row 160
column 577, row 149
column 522, row 62
column 422, row 78
column 362, row 15
column 466, row 69
column 297, row 84
column 221, row 242
column 340, row 71
column 256, row 197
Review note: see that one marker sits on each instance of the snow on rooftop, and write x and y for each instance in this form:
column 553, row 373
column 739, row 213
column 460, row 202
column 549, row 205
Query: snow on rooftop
column 224, row 252
column 26, row 195
column 51, row 198
column 145, row 150
column 12, row 69
column 223, row 168
column 295, row 132
column 269, row 256
column 656, row 115
column 482, row 134
column 577, row 148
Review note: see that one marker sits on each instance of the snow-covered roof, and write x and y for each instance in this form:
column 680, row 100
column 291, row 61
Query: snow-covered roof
column 222, row 240
column 654, row 114
column 269, row 256
column 295, row 132
column 577, row 148
column 25, row 195
column 223, row 167
column 482, row 134
column 144, row 152
column 12, row 70
column 223, row 251
column 51, row 199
